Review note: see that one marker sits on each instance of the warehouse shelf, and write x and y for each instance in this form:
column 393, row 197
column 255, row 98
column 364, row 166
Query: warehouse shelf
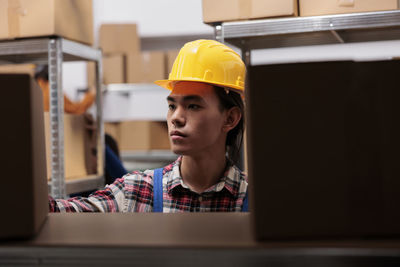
column 88, row 183
column 313, row 30
column 54, row 51
column 127, row 88
column 225, row 239
column 82, row 184
column 305, row 31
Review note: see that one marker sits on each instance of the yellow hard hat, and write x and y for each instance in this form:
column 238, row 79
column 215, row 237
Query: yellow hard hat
column 207, row 61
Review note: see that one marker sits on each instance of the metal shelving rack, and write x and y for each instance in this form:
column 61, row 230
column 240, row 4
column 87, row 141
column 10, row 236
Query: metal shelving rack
column 315, row 30
column 304, row 31
column 54, row 51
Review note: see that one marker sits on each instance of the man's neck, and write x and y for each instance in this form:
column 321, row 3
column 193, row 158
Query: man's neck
column 201, row 172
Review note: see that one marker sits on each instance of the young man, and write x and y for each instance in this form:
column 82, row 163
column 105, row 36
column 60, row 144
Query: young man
column 205, row 123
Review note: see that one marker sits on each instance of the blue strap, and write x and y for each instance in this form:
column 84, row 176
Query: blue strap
column 245, row 207
column 158, row 190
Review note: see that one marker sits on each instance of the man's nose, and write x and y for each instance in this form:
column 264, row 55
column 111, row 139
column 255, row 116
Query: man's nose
column 178, row 118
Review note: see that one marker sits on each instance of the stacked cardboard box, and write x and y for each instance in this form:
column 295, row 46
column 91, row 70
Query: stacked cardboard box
column 326, row 7
column 231, row 10
column 114, row 69
column 123, row 60
column 139, row 135
column 146, row 67
column 119, row 38
column 71, row 19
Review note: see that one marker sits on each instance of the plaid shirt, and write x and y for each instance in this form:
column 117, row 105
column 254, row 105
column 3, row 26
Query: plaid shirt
column 134, row 193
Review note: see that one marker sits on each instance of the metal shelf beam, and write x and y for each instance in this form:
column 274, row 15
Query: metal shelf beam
column 295, row 31
column 24, row 50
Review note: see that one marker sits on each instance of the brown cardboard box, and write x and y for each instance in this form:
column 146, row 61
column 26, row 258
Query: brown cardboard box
column 229, row 10
column 143, row 135
column 114, row 70
column 171, row 56
column 18, row 69
column 145, row 67
column 317, row 7
column 71, row 19
column 74, row 146
column 119, row 38
column 23, row 161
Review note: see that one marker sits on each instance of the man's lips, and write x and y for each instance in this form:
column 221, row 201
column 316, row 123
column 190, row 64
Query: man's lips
column 176, row 135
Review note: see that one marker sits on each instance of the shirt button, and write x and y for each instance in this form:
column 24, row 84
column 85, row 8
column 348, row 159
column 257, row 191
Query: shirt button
column 200, row 198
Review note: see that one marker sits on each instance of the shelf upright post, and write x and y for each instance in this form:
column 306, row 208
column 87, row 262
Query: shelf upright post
column 246, row 57
column 55, row 58
column 219, row 33
column 99, row 116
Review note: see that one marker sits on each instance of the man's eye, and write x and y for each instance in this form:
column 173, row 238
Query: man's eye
column 171, row 106
column 193, row 106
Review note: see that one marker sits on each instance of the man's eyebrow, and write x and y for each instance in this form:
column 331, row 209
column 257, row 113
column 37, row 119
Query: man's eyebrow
column 192, row 97
column 187, row 98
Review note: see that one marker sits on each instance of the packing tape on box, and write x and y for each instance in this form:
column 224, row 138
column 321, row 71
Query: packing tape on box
column 15, row 10
column 346, row 3
column 244, row 9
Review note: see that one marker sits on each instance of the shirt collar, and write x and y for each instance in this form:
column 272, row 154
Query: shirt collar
column 230, row 181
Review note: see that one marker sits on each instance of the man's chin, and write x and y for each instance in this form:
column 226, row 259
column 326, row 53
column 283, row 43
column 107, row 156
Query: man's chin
column 179, row 151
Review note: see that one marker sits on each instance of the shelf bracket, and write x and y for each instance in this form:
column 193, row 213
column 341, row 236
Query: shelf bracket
column 337, row 36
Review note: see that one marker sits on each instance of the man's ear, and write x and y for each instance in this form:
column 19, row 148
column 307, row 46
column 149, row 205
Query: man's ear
column 233, row 116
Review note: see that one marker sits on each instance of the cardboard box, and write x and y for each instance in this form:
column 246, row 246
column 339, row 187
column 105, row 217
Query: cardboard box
column 230, row 10
column 18, row 69
column 171, row 56
column 119, row 38
column 143, row 135
column 145, row 67
column 316, row 7
column 74, row 146
column 114, row 69
column 71, row 19
column 23, row 162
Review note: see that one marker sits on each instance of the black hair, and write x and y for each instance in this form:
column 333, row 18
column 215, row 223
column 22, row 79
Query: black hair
column 234, row 139
column 42, row 72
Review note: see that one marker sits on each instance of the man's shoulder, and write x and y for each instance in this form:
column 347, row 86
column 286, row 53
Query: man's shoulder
column 139, row 177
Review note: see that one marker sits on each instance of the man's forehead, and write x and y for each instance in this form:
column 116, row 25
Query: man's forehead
column 192, row 88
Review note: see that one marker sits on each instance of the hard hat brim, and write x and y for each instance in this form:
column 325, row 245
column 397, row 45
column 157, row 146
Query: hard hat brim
column 169, row 84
